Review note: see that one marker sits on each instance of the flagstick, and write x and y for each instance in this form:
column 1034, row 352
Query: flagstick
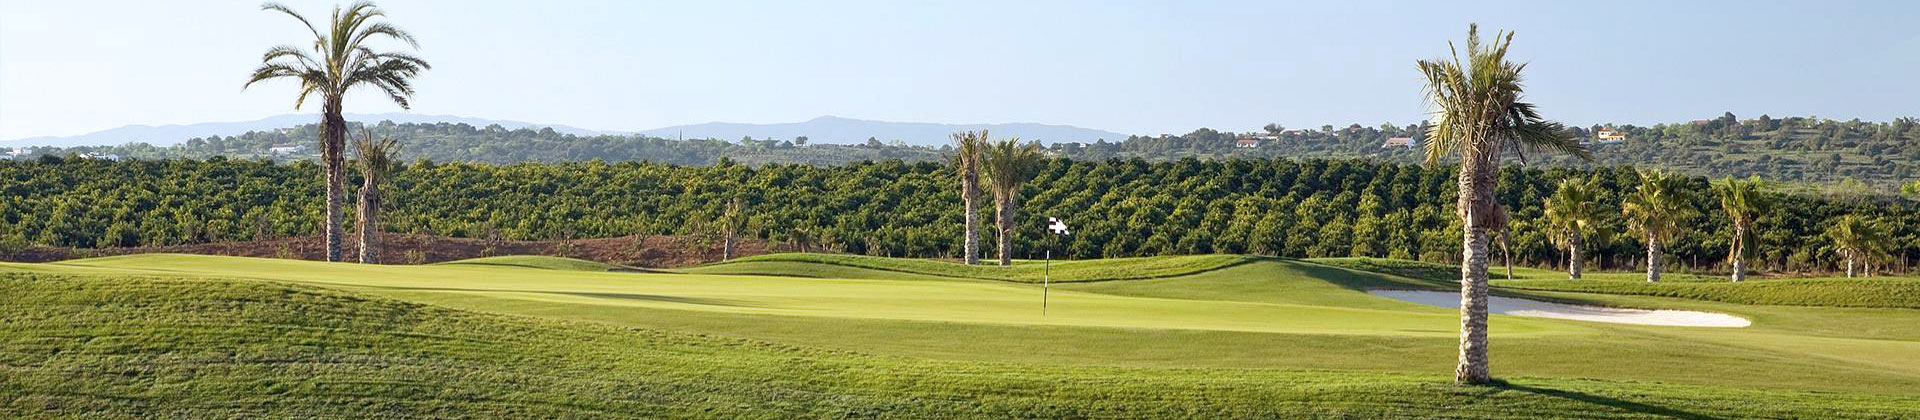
column 1046, row 282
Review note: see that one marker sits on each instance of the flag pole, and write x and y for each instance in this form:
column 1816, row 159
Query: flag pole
column 1046, row 282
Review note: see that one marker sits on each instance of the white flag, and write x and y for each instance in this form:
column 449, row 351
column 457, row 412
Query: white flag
column 1056, row 226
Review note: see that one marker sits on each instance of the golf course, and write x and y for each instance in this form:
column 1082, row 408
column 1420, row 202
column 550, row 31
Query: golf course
column 818, row 335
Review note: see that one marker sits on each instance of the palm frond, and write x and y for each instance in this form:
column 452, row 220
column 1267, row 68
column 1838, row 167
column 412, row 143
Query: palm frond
column 1477, row 112
column 376, row 156
column 273, row 6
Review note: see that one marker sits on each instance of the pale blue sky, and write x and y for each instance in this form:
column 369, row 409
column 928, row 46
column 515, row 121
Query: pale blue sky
column 70, row 67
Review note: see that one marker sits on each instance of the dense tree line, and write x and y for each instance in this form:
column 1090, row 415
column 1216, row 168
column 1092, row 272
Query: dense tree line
column 1809, row 149
column 1297, row 208
column 1883, row 155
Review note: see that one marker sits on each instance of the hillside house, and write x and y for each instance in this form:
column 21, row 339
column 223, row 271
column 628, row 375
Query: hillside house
column 285, row 150
column 1402, row 142
column 1247, row 143
column 1607, row 136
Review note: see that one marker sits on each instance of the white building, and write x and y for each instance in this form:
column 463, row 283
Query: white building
column 1605, row 136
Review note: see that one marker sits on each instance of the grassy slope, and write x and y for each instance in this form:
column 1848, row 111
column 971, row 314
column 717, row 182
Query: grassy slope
column 536, row 261
column 1023, row 271
column 1263, row 314
column 1881, row 292
column 103, row 347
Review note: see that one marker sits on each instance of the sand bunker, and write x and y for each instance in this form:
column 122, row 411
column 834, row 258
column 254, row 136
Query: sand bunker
column 1533, row 308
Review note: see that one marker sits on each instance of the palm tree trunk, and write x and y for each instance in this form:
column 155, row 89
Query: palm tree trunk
column 1473, row 310
column 1003, row 215
column 1476, row 185
column 1653, row 260
column 1739, row 262
column 1506, row 251
column 1849, row 264
column 1573, row 257
column 369, row 220
column 1739, row 269
column 970, row 195
column 333, row 142
column 726, row 248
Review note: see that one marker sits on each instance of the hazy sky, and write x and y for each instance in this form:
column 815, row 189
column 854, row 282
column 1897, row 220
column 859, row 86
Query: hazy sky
column 70, row 67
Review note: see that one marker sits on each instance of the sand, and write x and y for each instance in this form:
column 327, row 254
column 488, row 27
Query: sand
column 1533, row 308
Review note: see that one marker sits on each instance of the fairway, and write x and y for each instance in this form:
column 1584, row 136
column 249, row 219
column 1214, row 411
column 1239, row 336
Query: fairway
column 1212, row 312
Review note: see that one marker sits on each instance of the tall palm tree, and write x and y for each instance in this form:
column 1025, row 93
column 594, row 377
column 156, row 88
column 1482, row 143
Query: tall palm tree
column 1744, row 201
column 339, row 60
column 1858, row 239
column 1479, row 117
column 376, row 165
column 1656, row 211
column 1573, row 213
column 968, row 147
column 1007, row 165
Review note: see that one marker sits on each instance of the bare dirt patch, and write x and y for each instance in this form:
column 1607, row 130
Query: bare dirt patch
column 636, row 250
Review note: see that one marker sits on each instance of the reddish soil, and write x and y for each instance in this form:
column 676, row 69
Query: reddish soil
column 637, row 250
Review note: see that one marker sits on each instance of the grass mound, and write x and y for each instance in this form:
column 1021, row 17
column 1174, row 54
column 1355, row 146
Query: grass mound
column 1827, row 292
column 105, row 347
column 1404, row 268
column 1846, row 293
column 1022, row 271
column 537, row 261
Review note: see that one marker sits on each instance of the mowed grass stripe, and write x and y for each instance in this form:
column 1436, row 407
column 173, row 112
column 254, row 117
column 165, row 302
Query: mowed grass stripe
column 1022, row 271
column 948, row 301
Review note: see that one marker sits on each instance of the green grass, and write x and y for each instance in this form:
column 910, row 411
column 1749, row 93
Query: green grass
column 1023, row 271
column 537, row 261
column 1880, row 292
column 106, row 348
column 1836, row 292
column 198, row 336
column 1449, row 273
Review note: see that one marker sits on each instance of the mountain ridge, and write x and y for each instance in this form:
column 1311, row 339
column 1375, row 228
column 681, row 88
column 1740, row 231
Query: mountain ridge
column 171, row 134
column 828, row 129
column 843, row 130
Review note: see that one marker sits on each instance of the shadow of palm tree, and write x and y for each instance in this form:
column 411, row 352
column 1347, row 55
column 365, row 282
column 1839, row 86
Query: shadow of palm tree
column 1607, row 401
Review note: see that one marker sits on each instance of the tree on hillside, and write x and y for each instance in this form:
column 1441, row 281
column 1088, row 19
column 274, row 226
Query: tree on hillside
column 341, row 59
column 966, row 161
column 1573, row 214
column 1655, row 211
column 1911, row 190
column 731, row 223
column 1744, row 201
column 1858, row 240
column 1479, row 117
column 1008, row 164
column 376, row 165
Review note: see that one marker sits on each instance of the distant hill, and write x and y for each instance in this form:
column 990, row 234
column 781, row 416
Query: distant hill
column 167, row 135
column 838, row 130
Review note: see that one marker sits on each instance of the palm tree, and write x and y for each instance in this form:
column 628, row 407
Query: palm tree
column 733, row 221
column 1857, row 239
column 1655, row 211
column 1744, row 201
column 376, row 165
column 340, row 60
column 1478, row 116
column 966, row 161
column 1574, row 211
column 1008, row 164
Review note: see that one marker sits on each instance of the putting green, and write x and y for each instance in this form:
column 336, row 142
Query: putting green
column 978, row 302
